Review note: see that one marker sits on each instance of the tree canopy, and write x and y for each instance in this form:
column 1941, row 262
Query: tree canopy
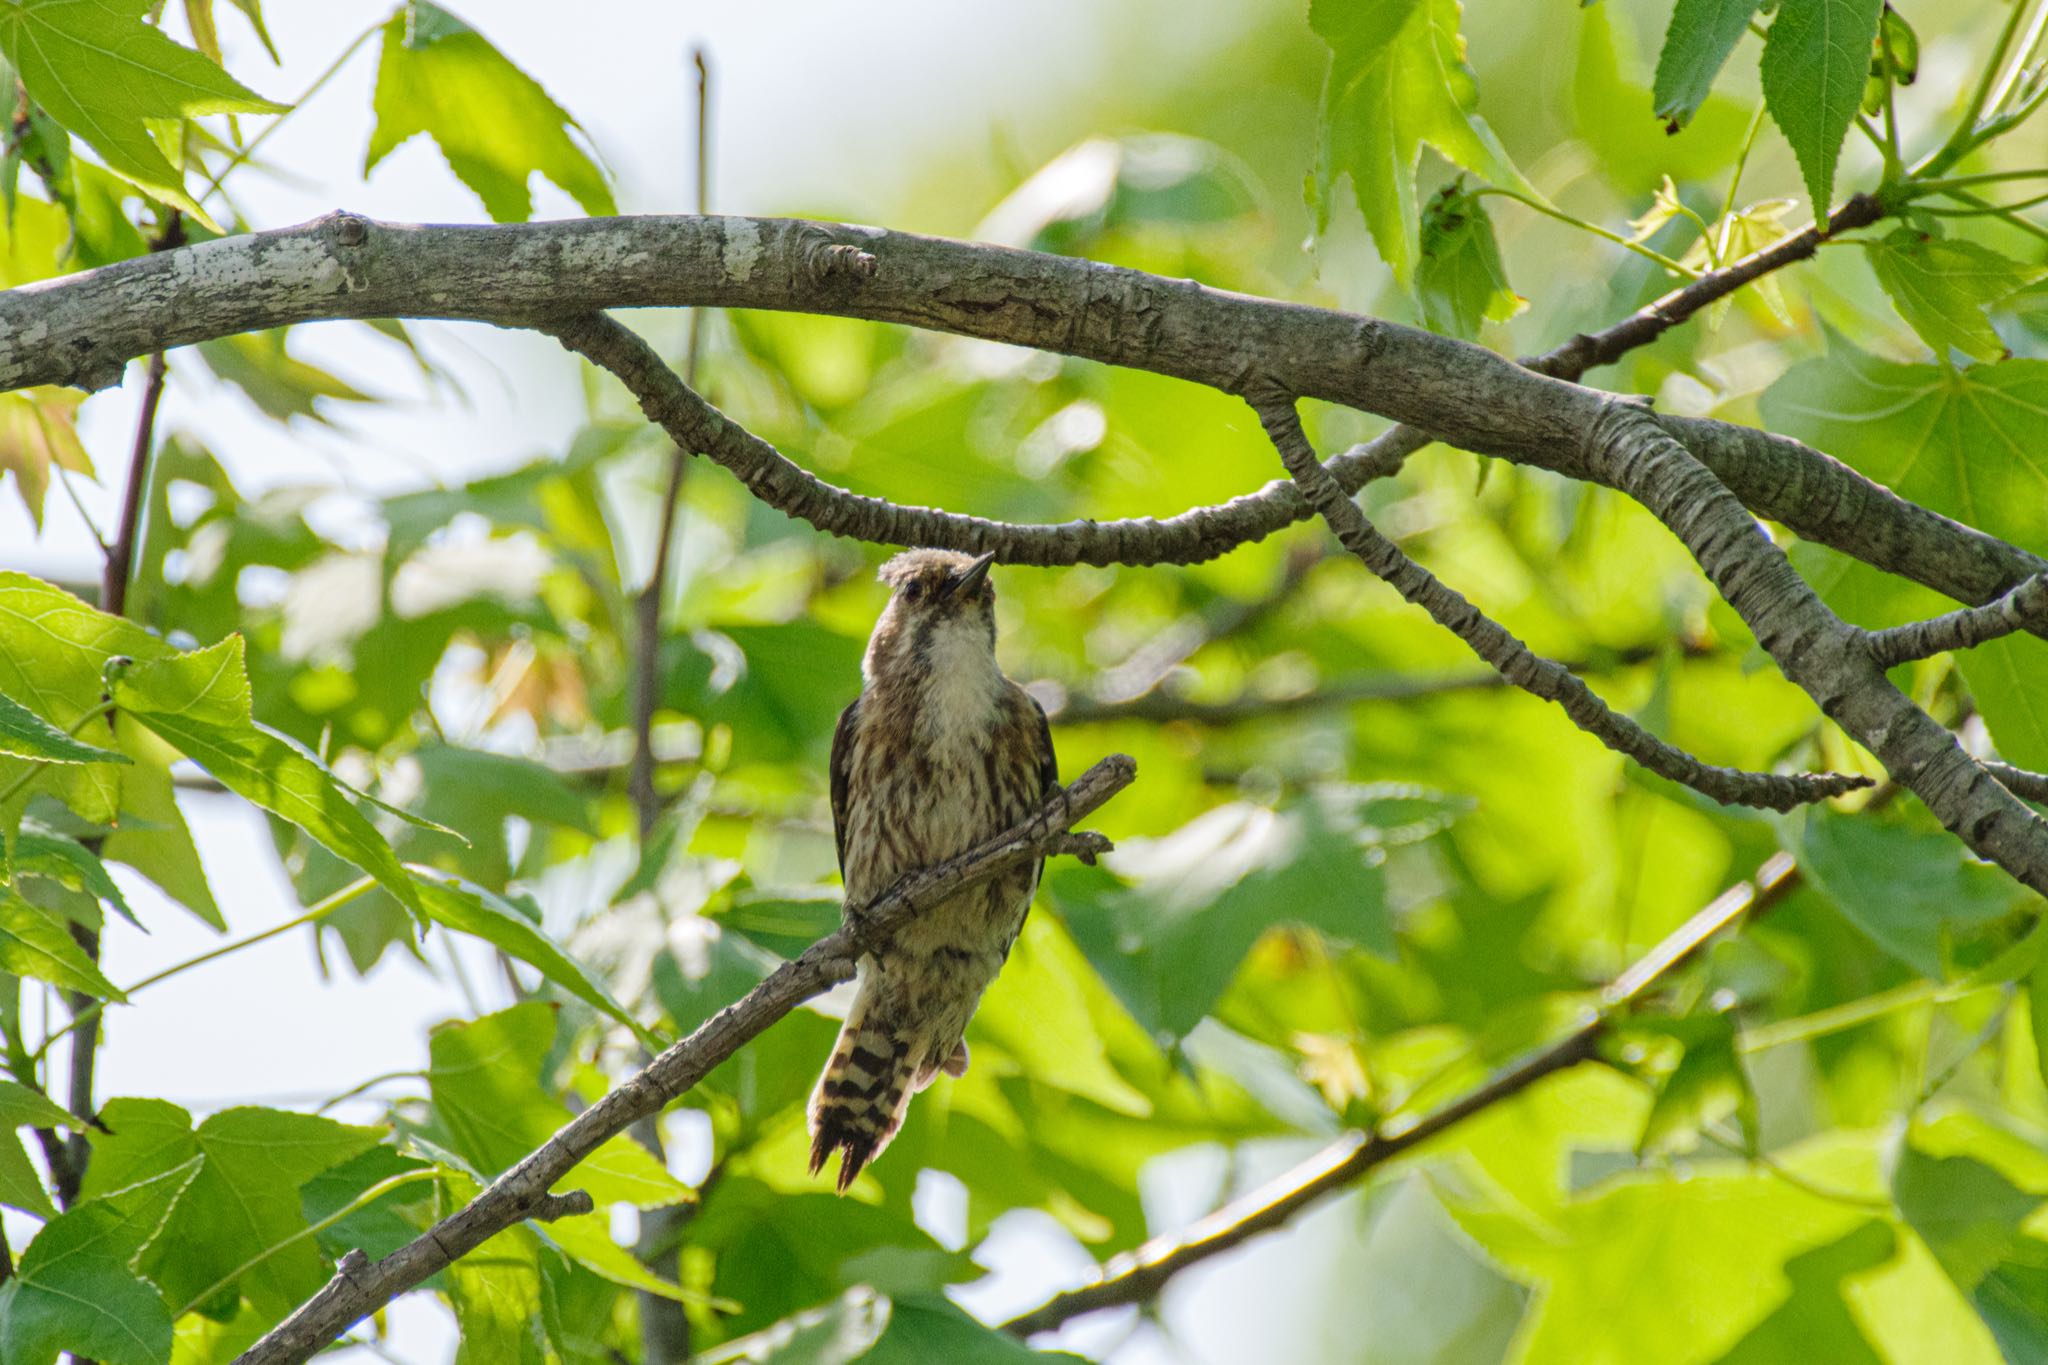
column 1633, row 954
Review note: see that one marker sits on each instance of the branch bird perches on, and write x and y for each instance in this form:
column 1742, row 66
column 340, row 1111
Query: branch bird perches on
column 361, row 1286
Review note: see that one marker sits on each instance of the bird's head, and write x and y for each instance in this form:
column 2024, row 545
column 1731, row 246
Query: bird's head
column 941, row 612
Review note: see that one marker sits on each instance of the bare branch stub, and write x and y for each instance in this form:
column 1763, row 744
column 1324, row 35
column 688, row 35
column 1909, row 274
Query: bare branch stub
column 1514, row 660
column 361, row 1287
column 2024, row 608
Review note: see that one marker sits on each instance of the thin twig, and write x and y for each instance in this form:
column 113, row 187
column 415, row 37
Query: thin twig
column 2028, row 786
column 119, row 566
column 1163, row 708
column 1153, row 661
column 360, row 1286
column 2024, row 608
column 664, row 1324
column 647, row 607
column 1139, row 1275
column 1512, row 659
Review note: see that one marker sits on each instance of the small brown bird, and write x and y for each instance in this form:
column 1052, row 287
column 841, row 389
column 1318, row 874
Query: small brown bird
column 939, row 752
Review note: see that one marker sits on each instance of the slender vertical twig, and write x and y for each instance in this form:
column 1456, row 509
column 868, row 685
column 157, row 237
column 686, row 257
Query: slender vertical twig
column 647, row 609
column 120, row 565
column 664, row 1325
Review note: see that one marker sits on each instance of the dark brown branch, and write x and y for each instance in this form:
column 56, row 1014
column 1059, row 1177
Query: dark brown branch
column 69, row 1175
column 1514, row 660
column 1385, row 453
column 361, row 1287
column 647, row 607
column 1646, row 324
column 2024, row 608
column 121, row 554
column 1139, row 1275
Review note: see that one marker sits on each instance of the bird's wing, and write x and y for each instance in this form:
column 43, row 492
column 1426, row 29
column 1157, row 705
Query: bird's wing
column 1048, row 761
column 842, row 772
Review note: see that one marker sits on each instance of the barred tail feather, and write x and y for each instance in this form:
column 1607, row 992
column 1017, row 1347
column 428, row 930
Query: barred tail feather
column 861, row 1098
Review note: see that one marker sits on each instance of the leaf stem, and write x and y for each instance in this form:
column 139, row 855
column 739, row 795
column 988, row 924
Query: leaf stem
column 1937, row 186
column 78, row 506
column 1980, row 212
column 249, row 150
column 363, row 1200
column 2035, row 33
column 1561, row 216
column 318, row 911
column 1851, row 1014
column 374, row 1081
column 1894, row 166
column 1719, row 245
column 1967, row 134
column 1986, row 207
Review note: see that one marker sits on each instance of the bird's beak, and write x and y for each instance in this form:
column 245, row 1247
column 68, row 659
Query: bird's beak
column 973, row 575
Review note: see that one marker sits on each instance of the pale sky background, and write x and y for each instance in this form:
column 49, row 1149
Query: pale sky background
column 818, row 109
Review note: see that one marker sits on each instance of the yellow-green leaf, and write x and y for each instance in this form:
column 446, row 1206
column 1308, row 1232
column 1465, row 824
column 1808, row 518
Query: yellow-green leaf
column 99, row 70
column 1397, row 80
column 492, row 121
column 1943, row 287
column 39, row 429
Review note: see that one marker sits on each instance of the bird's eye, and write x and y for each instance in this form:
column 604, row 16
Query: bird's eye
column 913, row 590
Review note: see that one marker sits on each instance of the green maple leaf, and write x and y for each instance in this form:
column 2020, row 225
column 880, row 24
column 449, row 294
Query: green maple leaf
column 1397, row 80
column 1815, row 63
column 99, row 70
column 493, row 122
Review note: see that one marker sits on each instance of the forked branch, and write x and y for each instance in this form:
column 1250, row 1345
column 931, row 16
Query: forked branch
column 1512, row 659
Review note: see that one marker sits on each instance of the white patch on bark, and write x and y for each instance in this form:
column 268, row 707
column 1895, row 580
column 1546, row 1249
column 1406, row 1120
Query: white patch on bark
column 742, row 249
column 227, row 266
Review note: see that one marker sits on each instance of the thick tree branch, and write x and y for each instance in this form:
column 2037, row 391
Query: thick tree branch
column 1140, row 1274
column 2024, row 608
column 361, row 1286
column 79, row 330
column 1512, row 659
column 1823, row 655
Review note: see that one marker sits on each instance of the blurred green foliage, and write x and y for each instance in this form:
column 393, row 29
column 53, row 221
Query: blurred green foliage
column 1823, row 1139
